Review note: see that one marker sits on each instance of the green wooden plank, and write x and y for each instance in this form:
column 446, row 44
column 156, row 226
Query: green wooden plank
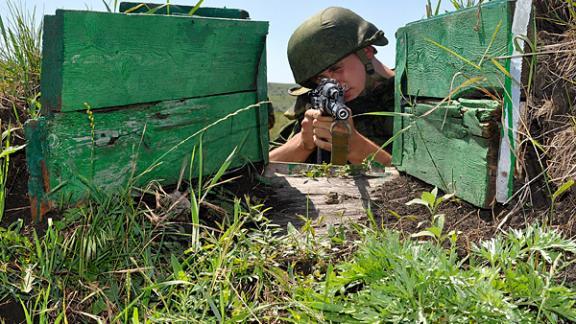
column 399, row 89
column 35, row 131
column 453, row 150
column 112, row 60
column 445, row 51
column 262, row 93
column 51, row 80
column 126, row 142
column 162, row 9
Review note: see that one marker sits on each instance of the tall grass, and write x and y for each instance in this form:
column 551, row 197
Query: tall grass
column 6, row 149
column 20, row 58
column 109, row 263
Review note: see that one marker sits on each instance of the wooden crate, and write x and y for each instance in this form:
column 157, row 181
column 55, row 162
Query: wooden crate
column 454, row 147
column 453, row 144
column 127, row 97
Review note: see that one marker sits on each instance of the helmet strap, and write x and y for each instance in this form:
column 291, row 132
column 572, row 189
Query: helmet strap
column 367, row 62
column 371, row 76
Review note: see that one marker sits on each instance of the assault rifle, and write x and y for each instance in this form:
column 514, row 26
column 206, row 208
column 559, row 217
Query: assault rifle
column 329, row 98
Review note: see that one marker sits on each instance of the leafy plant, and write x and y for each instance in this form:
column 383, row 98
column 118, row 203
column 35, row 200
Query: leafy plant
column 430, row 200
column 435, row 231
column 325, row 170
column 530, row 260
column 405, row 281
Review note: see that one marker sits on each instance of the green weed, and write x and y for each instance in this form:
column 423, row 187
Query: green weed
column 430, row 200
column 395, row 280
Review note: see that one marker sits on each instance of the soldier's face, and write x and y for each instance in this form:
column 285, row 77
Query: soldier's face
column 350, row 73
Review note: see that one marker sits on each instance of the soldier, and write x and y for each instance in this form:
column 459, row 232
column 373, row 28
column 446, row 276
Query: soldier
column 336, row 43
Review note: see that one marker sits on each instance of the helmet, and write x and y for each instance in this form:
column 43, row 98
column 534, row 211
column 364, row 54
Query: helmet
column 326, row 38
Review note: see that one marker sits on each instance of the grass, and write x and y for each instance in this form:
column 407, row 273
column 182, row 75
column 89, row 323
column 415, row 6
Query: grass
column 6, row 149
column 434, row 10
column 109, row 262
column 278, row 93
column 19, row 83
column 502, row 280
column 20, row 59
column 281, row 102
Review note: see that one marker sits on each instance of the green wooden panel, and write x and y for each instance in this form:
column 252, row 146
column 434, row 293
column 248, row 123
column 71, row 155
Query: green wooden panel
column 399, row 86
column 111, row 60
column 162, row 9
column 454, row 148
column 36, row 133
column 445, row 51
column 262, row 95
column 52, row 50
column 126, row 142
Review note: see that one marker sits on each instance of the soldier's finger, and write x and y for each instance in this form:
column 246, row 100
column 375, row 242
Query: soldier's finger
column 325, row 119
column 313, row 113
column 322, row 143
column 323, row 133
column 322, row 124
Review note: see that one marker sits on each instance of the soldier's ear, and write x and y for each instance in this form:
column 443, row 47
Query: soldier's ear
column 370, row 51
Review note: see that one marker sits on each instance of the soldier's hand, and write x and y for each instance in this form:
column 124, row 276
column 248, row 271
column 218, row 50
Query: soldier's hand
column 307, row 131
column 320, row 128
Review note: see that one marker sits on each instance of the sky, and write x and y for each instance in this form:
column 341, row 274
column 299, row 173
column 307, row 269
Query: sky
column 283, row 17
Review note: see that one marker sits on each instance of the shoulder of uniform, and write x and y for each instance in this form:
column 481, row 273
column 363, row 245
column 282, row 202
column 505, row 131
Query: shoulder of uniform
column 301, row 104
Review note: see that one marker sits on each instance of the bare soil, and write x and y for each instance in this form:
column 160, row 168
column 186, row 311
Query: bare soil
column 17, row 202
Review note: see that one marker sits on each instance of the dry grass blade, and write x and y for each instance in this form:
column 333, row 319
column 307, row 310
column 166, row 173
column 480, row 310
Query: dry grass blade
column 548, row 153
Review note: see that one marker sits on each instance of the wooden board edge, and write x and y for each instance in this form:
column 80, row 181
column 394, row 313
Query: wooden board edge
column 35, row 131
column 262, row 97
column 397, row 147
column 484, row 5
column 52, row 58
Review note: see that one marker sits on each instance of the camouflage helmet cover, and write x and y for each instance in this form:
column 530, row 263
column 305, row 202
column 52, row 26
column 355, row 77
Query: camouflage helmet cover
column 326, row 38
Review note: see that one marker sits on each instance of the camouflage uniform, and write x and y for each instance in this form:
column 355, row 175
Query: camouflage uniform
column 377, row 128
column 331, row 35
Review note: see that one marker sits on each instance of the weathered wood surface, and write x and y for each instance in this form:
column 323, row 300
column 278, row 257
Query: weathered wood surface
column 454, row 147
column 328, row 200
column 152, row 8
column 135, row 145
column 444, row 51
column 111, row 60
column 399, row 98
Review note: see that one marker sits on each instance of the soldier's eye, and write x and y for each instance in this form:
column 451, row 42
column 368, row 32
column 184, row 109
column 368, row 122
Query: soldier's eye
column 335, row 68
